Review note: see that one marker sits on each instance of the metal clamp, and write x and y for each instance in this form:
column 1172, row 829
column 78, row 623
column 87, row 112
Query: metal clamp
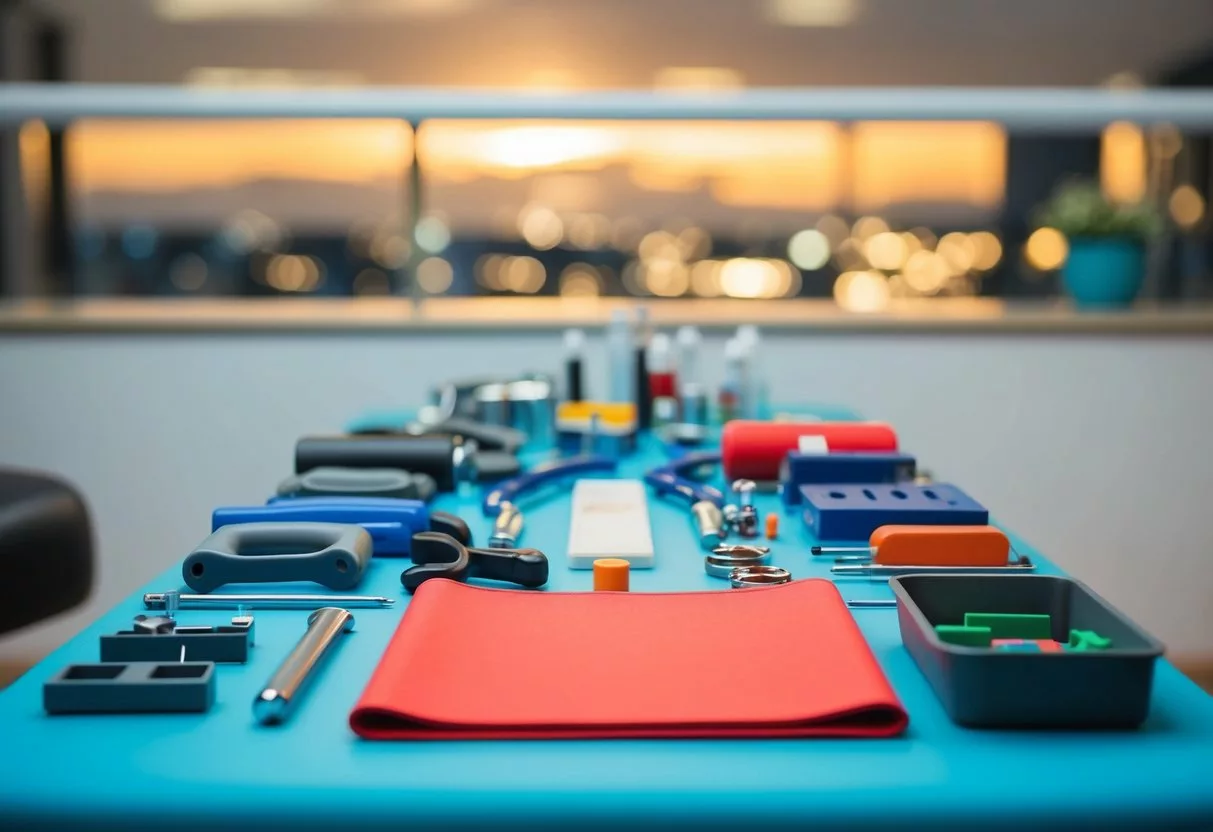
column 745, row 576
column 725, row 560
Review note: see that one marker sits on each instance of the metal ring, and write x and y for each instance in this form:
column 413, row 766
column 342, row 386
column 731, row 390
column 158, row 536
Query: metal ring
column 744, row 576
column 722, row 566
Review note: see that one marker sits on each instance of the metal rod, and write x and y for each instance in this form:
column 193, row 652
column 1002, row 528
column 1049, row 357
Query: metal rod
column 832, row 550
column 157, row 601
column 877, row 571
column 1021, row 109
column 273, row 705
column 872, row 603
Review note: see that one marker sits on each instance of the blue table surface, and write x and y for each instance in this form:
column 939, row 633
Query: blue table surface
column 206, row 770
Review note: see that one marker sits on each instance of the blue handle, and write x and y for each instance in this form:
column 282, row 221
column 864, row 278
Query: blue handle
column 391, row 523
column 668, row 479
column 509, row 490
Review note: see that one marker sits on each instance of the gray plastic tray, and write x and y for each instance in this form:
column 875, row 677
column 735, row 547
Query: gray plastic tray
column 979, row 686
column 130, row 687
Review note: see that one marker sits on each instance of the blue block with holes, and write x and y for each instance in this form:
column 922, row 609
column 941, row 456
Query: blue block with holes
column 852, row 467
column 853, row 512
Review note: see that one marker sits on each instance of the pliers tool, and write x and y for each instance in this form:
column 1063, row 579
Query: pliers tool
column 508, row 491
column 672, row 479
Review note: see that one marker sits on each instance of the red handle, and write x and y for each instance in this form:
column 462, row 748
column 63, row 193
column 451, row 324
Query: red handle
column 755, row 450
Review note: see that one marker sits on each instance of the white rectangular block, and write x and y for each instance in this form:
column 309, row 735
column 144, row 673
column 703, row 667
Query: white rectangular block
column 610, row 520
column 811, row 443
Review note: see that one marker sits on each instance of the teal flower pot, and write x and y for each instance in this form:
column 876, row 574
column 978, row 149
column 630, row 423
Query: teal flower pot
column 1104, row 272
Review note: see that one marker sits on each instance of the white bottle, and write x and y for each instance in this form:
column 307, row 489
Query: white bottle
column 620, row 356
column 687, row 361
column 753, row 382
column 728, row 399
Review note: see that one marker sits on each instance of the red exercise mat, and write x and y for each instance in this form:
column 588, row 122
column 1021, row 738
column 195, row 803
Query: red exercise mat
column 779, row 661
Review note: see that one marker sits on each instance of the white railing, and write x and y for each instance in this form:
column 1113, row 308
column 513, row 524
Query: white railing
column 1019, row 109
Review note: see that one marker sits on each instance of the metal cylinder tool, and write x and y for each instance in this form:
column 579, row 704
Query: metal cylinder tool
column 275, row 702
column 507, row 527
column 709, row 523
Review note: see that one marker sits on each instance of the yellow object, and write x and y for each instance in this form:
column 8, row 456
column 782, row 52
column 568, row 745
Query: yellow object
column 611, row 575
column 1123, row 161
column 614, row 418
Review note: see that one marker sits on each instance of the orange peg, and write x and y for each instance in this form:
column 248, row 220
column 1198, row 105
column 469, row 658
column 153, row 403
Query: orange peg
column 611, row 575
column 772, row 526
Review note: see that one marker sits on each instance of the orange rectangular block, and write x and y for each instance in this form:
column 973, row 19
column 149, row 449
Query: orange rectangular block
column 940, row 546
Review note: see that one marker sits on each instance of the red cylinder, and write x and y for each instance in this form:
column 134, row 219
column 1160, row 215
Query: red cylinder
column 755, row 450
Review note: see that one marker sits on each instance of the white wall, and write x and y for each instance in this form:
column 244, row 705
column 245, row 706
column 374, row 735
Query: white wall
column 1095, row 448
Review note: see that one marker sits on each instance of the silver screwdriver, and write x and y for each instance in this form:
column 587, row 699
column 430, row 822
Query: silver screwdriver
column 165, row 600
column 273, row 705
column 876, row 571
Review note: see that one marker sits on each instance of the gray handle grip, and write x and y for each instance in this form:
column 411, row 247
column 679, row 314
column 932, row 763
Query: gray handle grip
column 331, row 554
column 359, row 482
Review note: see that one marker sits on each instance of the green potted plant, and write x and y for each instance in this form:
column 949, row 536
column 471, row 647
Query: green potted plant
column 1106, row 264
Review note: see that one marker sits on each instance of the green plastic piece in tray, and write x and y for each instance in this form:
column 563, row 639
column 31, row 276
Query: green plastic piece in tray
column 964, row 636
column 1012, row 625
column 1084, row 640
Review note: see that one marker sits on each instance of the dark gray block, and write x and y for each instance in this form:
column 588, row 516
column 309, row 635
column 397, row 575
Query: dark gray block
column 135, row 687
column 225, row 643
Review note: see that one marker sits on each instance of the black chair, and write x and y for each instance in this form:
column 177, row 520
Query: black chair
column 46, row 548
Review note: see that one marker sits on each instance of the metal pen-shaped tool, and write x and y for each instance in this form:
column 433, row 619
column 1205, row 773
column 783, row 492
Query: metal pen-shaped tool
column 876, row 571
column 177, row 600
column 872, row 603
column 507, row 527
column 273, row 705
column 847, row 551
